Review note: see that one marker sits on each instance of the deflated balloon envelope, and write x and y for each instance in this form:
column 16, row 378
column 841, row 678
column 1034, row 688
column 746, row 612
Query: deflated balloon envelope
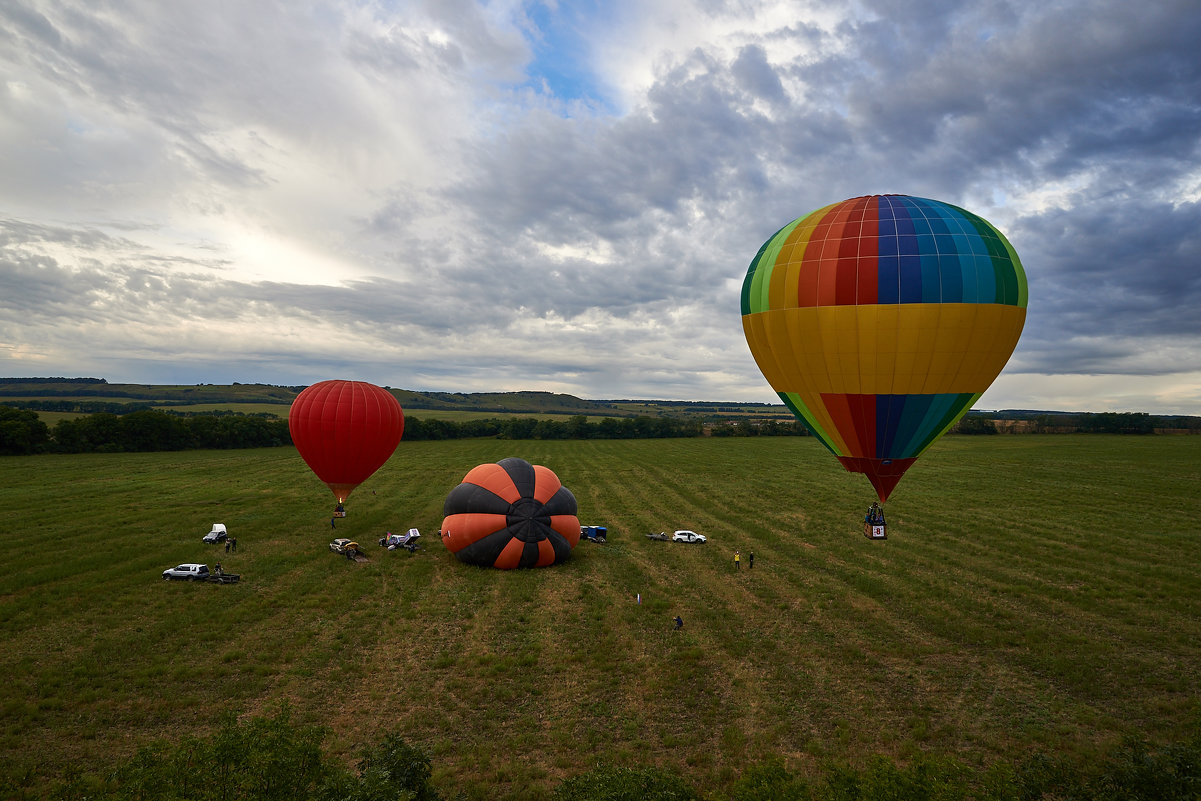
column 880, row 320
column 510, row 514
column 345, row 431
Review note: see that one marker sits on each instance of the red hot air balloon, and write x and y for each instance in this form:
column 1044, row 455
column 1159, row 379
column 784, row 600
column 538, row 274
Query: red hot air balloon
column 510, row 514
column 345, row 431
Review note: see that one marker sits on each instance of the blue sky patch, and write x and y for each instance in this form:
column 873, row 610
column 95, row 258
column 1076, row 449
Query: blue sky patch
column 562, row 63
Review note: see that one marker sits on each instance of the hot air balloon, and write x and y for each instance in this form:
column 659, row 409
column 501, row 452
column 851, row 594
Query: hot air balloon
column 510, row 514
column 345, row 431
column 880, row 320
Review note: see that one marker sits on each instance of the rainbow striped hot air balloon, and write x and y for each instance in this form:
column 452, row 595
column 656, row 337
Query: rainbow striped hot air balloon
column 880, row 320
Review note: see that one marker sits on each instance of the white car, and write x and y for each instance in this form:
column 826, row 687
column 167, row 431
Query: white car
column 684, row 535
column 187, row 572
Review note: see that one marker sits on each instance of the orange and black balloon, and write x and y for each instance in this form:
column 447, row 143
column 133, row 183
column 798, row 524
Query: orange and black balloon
column 510, row 514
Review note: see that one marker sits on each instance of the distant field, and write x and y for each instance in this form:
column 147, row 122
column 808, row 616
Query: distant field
column 459, row 415
column 274, row 409
column 103, row 398
column 1036, row 593
column 279, row 410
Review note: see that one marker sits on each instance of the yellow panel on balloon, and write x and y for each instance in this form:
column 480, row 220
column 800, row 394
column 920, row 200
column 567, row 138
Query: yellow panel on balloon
column 915, row 348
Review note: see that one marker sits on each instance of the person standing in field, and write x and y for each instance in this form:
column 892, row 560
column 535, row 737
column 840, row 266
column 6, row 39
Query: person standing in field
column 750, row 560
column 737, row 560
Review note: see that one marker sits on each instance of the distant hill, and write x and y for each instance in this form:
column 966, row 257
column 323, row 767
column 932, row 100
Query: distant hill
column 542, row 402
column 530, row 402
column 16, row 391
column 100, row 389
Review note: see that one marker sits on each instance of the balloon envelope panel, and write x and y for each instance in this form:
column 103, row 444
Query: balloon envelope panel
column 345, row 431
column 880, row 320
column 510, row 514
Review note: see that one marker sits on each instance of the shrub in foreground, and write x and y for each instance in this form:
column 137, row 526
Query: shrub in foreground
column 274, row 758
column 625, row 784
column 389, row 771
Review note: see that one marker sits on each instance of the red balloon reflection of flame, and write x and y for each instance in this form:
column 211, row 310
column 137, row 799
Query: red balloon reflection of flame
column 345, row 431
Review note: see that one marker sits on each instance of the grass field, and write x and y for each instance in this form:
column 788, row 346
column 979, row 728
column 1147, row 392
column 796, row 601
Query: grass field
column 1036, row 593
column 461, row 415
column 279, row 410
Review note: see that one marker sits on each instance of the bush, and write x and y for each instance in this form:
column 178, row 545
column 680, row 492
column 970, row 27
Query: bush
column 266, row 759
column 770, row 781
column 270, row 759
column 274, row 758
column 1133, row 772
column 625, row 784
column 21, row 431
column 972, row 424
column 389, row 771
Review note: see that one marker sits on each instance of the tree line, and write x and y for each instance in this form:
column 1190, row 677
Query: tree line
column 574, row 427
column 1122, row 422
column 23, row 432
column 1086, row 423
column 131, row 429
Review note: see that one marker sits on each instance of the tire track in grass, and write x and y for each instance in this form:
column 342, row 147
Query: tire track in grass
column 947, row 616
column 727, row 614
column 1071, row 641
column 876, row 597
column 420, row 669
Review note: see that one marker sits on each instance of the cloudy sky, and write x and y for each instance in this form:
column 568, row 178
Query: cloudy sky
column 537, row 195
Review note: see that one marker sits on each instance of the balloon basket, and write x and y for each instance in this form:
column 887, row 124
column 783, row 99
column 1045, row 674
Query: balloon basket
column 875, row 531
column 340, row 514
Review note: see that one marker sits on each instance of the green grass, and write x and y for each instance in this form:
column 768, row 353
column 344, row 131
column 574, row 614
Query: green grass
column 1036, row 593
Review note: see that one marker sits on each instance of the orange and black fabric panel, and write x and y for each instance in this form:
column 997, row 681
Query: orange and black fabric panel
column 510, row 514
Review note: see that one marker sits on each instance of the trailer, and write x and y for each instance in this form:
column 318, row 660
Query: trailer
column 407, row 541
